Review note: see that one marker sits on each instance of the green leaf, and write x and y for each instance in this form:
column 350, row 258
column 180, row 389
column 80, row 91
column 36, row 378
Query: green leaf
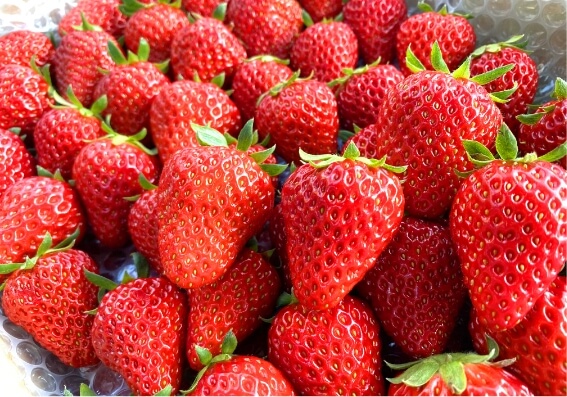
column 7, row 268
column 530, row 119
column 45, row 245
column 166, row 391
column 419, row 374
column 219, row 12
column 307, row 20
column 556, row 154
column 345, row 135
column 99, row 105
column 351, row 151
column 286, row 299
column 260, row 157
column 412, row 62
column 116, row 54
column 219, row 80
column 143, row 50
column 453, row 374
column 208, row 136
column 229, row 343
column 144, row 183
column 273, row 169
column 506, row 144
column 66, row 392
column 313, row 157
column 437, row 60
column 491, row 75
column 142, row 265
column 560, row 89
column 477, row 150
column 503, row 96
column 464, row 70
column 85, row 390
column 204, row 355
column 245, row 137
column 100, row 281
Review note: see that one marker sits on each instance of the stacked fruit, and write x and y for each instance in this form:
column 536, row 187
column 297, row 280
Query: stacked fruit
column 357, row 195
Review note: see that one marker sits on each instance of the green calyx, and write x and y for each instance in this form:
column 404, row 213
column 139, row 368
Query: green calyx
column 145, row 184
column 86, row 391
column 86, row 26
column 351, row 152
column 350, row 72
column 518, row 42
column 131, row 58
column 275, row 90
column 267, row 58
column 425, row 7
column 73, row 103
column 53, row 175
column 119, row 139
column 559, row 94
column 219, row 13
column 42, row 71
column 130, row 7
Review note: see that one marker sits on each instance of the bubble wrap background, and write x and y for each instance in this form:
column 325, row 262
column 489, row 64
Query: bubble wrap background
column 542, row 21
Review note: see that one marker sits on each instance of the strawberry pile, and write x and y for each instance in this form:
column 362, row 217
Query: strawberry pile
column 364, row 201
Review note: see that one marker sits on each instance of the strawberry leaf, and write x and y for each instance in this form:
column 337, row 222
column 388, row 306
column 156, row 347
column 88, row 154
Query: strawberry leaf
column 85, row 390
column 506, row 144
column 491, row 75
column 219, row 80
column 166, row 391
column 453, row 374
column 116, row 54
column 531, row 119
column 208, row 136
column 273, row 169
column 229, row 343
column 412, row 62
column 245, row 137
column 219, row 13
column 437, row 60
column 556, row 154
column 560, row 90
column 503, row 96
column 260, row 157
column 100, row 281
column 418, row 374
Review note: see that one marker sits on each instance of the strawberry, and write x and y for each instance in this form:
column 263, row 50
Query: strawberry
column 340, row 212
column 103, row 13
column 453, row 32
column 49, row 296
column 537, row 343
column 253, row 77
column 276, row 230
column 16, row 162
column 416, row 287
column 62, row 132
column 375, row 24
column 298, row 114
column 328, row 352
column 223, row 194
column 157, row 23
column 457, row 374
column 265, row 27
column 422, row 122
column 183, row 102
column 524, row 76
column 322, row 9
column 244, row 295
column 139, row 331
column 324, row 49
column 106, row 171
column 509, row 225
column 19, row 46
column 206, row 48
column 205, row 8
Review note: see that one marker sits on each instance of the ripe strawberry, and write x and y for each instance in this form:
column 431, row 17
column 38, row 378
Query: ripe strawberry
column 253, row 77
column 139, row 331
column 204, row 8
column 206, row 48
column 457, row 374
column 422, row 122
column 339, row 215
column 103, row 13
column 416, row 287
column 453, row 32
column 211, row 201
column 265, row 27
column 509, row 225
column 328, row 352
column 322, row 9
column 375, row 24
column 48, row 295
column 157, row 23
column 19, row 46
column 183, row 102
column 537, row 343
column 299, row 114
column 276, row 230
column 244, row 295
column 16, row 162
column 524, row 76
column 106, row 171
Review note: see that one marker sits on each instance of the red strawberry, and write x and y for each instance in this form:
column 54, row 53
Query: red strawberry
column 139, row 331
column 537, row 343
column 322, row 9
column 106, row 171
column 103, row 13
column 16, row 162
column 524, row 76
column 266, row 27
column 19, row 46
column 49, row 296
column 375, row 24
column 339, row 215
column 204, row 8
column 157, row 23
column 416, row 288
column 276, row 230
column 299, row 114
column 328, row 352
column 183, row 102
column 509, row 225
column 453, row 32
column 244, row 295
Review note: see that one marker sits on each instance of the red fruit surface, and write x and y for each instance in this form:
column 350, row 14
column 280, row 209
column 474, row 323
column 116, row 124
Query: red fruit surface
column 16, row 162
column 204, row 8
column 103, row 13
column 19, row 46
column 322, row 9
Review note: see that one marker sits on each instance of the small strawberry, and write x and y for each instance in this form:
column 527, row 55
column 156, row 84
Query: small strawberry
column 453, row 32
column 205, row 8
column 340, row 212
column 509, row 225
column 328, row 352
column 19, row 46
column 103, row 13
column 16, row 162
column 322, row 9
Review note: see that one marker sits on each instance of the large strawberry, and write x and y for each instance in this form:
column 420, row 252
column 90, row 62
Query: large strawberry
column 103, row 13
column 328, row 352
column 16, row 162
column 509, row 225
column 340, row 212
column 19, row 46
column 49, row 296
column 322, row 9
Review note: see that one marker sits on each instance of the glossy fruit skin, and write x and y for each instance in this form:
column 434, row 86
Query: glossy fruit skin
column 524, row 74
column 237, row 301
column 303, row 115
column 204, row 8
column 321, row 9
column 183, row 102
column 16, row 162
column 104, row 174
column 416, row 287
column 454, row 34
column 243, row 376
column 328, row 352
column 206, row 48
column 537, row 342
column 224, row 196
column 50, row 302
column 265, row 26
column 482, row 380
column 103, row 13
column 139, row 330
column 276, row 230
column 324, row 50
column 337, row 222
column 375, row 24
column 423, row 121
column 19, row 46
column 509, row 225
